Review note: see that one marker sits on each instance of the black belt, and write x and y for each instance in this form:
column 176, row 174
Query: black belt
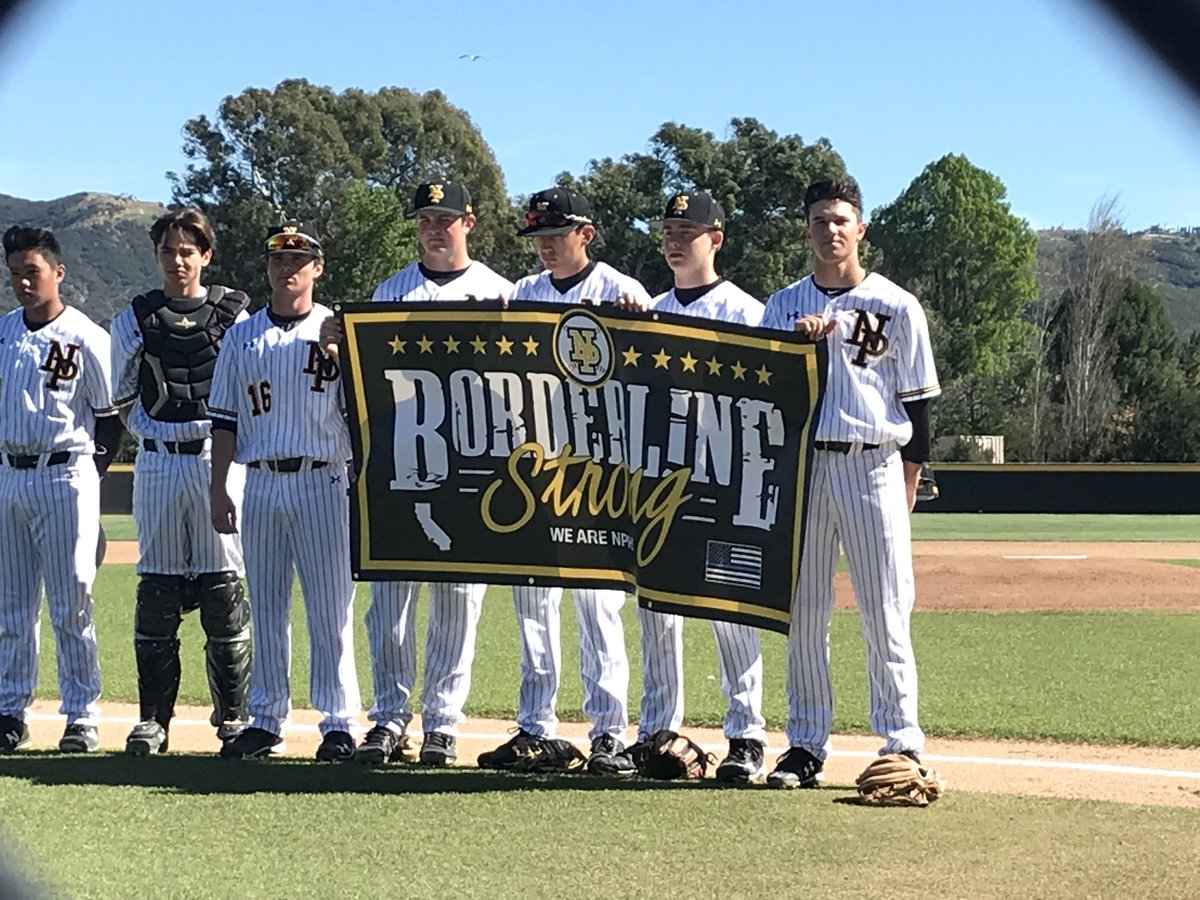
column 291, row 464
column 842, row 446
column 31, row 462
column 187, row 448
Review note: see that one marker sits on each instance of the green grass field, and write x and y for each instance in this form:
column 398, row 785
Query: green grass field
column 194, row 826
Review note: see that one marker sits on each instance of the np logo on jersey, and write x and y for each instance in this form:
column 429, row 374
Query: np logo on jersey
column 868, row 336
column 61, row 366
column 321, row 367
column 583, row 349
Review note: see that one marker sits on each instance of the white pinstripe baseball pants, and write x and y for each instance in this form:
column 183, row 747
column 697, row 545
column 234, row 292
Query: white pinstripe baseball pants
column 739, row 653
column 858, row 499
column 298, row 523
column 449, row 652
column 49, row 526
column 604, row 661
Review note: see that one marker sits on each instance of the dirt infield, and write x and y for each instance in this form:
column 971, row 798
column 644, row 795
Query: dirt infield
column 951, row 575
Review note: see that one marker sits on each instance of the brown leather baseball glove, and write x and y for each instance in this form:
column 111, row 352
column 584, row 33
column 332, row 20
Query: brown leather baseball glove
column 668, row 755
column 899, row 780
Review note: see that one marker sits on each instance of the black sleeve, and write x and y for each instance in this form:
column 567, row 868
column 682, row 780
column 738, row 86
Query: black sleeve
column 108, row 438
column 917, row 450
column 219, row 424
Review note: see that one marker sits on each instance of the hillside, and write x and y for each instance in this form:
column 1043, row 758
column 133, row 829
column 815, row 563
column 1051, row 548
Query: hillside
column 105, row 242
column 1168, row 261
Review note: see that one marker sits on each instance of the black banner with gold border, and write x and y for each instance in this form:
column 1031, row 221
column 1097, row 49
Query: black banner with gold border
column 582, row 446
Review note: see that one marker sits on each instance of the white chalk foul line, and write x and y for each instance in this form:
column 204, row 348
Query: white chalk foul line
column 1050, row 556
column 1107, row 768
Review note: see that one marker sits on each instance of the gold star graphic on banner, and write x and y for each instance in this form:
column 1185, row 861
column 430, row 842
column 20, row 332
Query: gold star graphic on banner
column 661, row 358
column 480, row 345
column 631, row 356
column 689, row 362
column 451, row 344
column 397, row 345
column 764, row 375
column 714, row 365
column 530, row 346
column 739, row 371
column 505, row 345
column 425, row 344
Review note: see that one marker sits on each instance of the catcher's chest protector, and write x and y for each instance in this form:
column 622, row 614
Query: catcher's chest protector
column 181, row 338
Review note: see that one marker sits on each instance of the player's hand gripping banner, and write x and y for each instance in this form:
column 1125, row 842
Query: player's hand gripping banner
column 581, row 446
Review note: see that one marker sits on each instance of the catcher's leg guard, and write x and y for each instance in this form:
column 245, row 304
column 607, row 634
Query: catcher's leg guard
column 160, row 603
column 225, row 617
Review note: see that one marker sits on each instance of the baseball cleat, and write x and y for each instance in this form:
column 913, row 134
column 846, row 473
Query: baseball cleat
column 797, row 768
column 609, row 757
column 146, row 738
column 227, row 731
column 79, row 738
column 14, row 734
column 253, row 743
column 380, row 745
column 336, row 746
column 507, row 754
column 744, row 762
column 438, row 749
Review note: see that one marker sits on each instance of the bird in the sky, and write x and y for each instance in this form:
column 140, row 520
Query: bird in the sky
column 471, row 57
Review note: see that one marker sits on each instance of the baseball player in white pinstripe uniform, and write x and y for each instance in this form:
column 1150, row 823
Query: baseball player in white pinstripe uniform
column 55, row 403
column 278, row 408
column 693, row 227
column 871, row 436
column 560, row 222
column 444, row 272
column 164, row 351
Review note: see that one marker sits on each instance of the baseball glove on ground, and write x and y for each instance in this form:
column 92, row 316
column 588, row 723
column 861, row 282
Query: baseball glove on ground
column 667, row 755
column 897, row 780
column 548, row 755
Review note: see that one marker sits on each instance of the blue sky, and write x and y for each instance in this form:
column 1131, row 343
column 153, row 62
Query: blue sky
column 1049, row 95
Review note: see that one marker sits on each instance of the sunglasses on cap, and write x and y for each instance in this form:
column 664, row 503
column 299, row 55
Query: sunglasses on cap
column 294, row 242
column 543, row 218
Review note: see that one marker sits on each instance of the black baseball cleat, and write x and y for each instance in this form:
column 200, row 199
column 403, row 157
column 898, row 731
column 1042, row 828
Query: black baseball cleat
column 227, row 731
column 14, row 734
column 336, row 746
column 911, row 754
column 609, row 757
column 744, row 763
column 438, row 749
column 146, row 738
column 79, row 738
column 506, row 755
column 380, row 745
column 253, row 743
column 797, row 768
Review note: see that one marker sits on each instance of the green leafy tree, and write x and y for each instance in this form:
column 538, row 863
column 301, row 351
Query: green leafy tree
column 952, row 239
column 294, row 150
column 374, row 241
column 757, row 175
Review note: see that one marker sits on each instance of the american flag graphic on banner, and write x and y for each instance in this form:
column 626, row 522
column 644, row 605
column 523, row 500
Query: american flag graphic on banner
column 726, row 563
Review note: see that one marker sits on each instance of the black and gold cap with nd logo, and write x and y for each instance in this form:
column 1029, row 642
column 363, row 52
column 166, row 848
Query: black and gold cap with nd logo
column 693, row 206
column 293, row 237
column 556, row 210
column 447, row 196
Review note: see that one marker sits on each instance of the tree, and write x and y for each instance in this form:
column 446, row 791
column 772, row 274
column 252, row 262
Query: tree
column 952, row 240
column 1083, row 347
column 293, row 151
column 758, row 176
column 374, row 240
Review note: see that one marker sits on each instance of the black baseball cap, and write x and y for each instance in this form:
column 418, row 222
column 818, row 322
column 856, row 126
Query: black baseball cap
column 448, row 196
column 554, row 211
column 293, row 237
column 693, row 206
